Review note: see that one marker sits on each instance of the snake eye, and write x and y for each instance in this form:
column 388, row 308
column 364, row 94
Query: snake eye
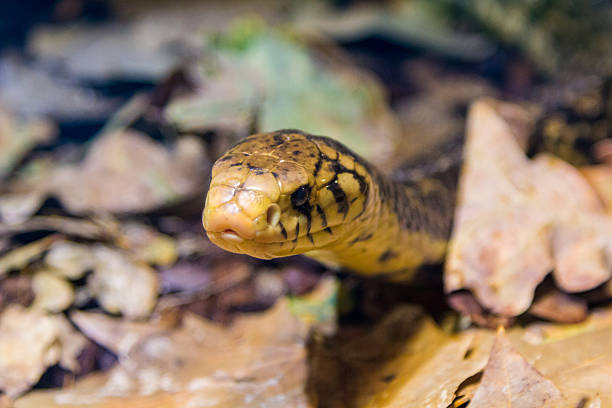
column 300, row 196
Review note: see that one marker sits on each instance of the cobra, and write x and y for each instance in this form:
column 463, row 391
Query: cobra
column 288, row 192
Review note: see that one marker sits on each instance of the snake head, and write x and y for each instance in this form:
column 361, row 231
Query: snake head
column 282, row 193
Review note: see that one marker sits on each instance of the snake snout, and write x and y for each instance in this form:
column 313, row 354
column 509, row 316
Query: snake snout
column 229, row 221
column 238, row 214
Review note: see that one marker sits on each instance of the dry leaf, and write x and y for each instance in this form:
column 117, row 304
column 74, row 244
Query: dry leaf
column 31, row 341
column 559, row 306
column 17, row 137
column 51, row 293
column 200, row 364
column 148, row 245
column 20, row 257
column 119, row 335
column 517, row 218
column 69, row 259
column 510, row 381
column 126, row 171
column 579, row 365
column 122, row 284
column 600, row 178
column 17, row 208
column 405, row 361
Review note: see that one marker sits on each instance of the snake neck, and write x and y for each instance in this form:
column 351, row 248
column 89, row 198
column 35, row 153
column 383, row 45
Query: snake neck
column 405, row 226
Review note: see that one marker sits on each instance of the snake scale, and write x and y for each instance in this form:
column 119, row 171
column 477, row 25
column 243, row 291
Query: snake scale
column 288, row 192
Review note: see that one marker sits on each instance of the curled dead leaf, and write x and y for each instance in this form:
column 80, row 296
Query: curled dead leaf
column 122, row 284
column 251, row 363
column 518, row 219
column 30, row 341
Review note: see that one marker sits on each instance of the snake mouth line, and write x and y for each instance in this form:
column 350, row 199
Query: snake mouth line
column 232, row 236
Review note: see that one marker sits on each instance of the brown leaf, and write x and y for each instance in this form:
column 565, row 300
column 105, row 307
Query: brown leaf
column 122, row 284
column 559, row 306
column 17, row 137
column 147, row 244
column 576, row 358
column 126, row 171
column 405, row 361
column 518, row 219
column 31, row 341
column 252, row 363
column 20, row 257
column 119, row 335
column 600, row 178
column 510, row 381
column 52, row 293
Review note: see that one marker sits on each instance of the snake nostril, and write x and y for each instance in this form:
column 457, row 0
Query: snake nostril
column 273, row 215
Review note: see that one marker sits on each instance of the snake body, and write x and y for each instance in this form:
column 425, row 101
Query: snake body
column 288, row 192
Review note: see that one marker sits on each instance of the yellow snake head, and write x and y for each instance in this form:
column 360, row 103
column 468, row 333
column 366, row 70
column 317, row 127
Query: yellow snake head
column 284, row 193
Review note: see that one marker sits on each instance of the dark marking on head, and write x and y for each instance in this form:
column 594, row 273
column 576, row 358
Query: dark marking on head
column 296, row 152
column 311, row 239
column 322, row 215
column 275, row 174
column 283, row 230
column 236, row 164
column 329, row 231
column 339, row 196
column 385, row 256
column 278, row 139
column 318, row 165
column 251, row 167
column 297, row 232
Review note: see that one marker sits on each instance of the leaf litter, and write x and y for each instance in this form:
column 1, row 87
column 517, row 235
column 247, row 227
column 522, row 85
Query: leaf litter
column 107, row 264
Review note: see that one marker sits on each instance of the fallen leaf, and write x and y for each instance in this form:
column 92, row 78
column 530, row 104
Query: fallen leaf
column 578, row 364
column 510, row 381
column 17, row 208
column 16, row 289
column 69, row 259
column 51, row 293
column 559, row 307
column 405, row 361
column 122, row 284
column 600, row 178
column 120, row 335
column 147, row 244
column 20, row 257
column 157, row 37
column 415, row 23
column 126, row 171
column 251, row 363
column 33, row 91
column 518, row 219
column 17, row 137
column 31, row 341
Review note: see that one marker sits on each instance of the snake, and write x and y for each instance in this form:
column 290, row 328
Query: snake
column 288, row 192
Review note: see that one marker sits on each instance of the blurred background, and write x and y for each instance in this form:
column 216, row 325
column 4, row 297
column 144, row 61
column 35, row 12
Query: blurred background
column 112, row 113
